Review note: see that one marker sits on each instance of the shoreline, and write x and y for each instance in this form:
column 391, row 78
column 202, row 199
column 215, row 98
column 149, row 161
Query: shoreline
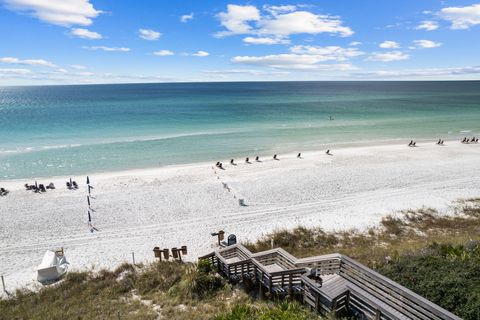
column 172, row 206
column 332, row 147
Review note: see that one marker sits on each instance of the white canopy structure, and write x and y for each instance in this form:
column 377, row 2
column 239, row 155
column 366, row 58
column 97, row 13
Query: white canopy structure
column 54, row 265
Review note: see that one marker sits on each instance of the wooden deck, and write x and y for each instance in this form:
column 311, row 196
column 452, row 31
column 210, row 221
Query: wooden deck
column 338, row 284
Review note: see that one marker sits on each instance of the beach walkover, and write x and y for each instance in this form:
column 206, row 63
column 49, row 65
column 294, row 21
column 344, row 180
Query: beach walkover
column 327, row 283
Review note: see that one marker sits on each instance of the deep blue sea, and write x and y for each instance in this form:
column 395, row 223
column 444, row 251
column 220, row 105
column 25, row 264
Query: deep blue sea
column 68, row 130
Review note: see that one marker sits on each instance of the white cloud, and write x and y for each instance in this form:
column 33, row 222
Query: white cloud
column 427, row 25
column 186, row 17
column 7, row 72
column 354, row 43
column 247, row 71
column 389, row 45
column 277, row 22
column 148, row 34
column 236, row 19
column 103, row 48
column 304, row 57
column 274, row 10
column 328, row 53
column 60, row 77
column 163, row 53
column 291, row 61
column 78, row 67
column 303, row 22
column 85, row 34
column 388, row 56
column 265, row 40
column 462, row 17
column 59, row 12
column 85, row 74
column 426, row 44
column 200, row 54
column 432, row 72
column 30, row 62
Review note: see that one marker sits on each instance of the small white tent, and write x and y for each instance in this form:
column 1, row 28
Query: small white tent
column 53, row 266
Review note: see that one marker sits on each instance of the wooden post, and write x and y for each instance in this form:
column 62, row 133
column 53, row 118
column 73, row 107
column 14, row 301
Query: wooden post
column 260, row 290
column 133, row 257
column 270, row 284
column 290, row 284
column 347, row 300
column 3, row 284
column 334, row 305
column 221, row 234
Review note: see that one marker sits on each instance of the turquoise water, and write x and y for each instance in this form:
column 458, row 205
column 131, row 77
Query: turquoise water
column 67, row 130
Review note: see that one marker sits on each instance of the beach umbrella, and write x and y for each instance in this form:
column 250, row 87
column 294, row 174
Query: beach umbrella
column 36, row 186
column 88, row 200
column 89, row 217
column 70, row 180
column 88, row 180
column 89, row 189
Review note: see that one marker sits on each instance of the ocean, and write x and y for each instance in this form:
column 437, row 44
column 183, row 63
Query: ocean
column 84, row 129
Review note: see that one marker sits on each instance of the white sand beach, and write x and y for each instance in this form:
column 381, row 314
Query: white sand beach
column 181, row 205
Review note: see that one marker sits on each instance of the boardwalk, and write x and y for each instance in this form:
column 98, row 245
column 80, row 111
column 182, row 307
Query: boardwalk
column 326, row 283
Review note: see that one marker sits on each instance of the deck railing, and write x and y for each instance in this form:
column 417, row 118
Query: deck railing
column 361, row 290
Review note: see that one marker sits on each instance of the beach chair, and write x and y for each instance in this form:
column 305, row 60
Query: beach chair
column 54, row 265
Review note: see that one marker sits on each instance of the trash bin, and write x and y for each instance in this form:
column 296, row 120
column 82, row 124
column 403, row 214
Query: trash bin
column 166, row 254
column 175, row 253
column 241, row 202
column 157, row 252
column 232, row 239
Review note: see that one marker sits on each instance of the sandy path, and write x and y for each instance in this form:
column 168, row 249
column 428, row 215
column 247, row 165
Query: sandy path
column 174, row 206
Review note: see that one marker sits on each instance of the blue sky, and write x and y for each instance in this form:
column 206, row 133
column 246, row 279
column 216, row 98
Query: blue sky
column 89, row 41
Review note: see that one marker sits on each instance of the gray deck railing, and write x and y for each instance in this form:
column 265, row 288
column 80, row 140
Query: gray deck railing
column 361, row 290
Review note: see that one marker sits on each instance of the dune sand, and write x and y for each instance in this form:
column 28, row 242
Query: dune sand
column 181, row 205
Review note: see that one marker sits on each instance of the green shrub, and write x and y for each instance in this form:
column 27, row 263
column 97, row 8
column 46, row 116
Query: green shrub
column 445, row 274
column 280, row 311
column 238, row 312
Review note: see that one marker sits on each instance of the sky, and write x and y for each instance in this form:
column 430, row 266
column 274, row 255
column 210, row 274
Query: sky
column 89, row 41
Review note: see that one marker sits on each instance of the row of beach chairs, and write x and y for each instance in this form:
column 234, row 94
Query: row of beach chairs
column 40, row 187
column 473, row 140
column 442, row 142
column 257, row 159
column 72, row 185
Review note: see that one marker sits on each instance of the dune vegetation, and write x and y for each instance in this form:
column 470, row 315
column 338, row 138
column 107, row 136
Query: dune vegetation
column 436, row 255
